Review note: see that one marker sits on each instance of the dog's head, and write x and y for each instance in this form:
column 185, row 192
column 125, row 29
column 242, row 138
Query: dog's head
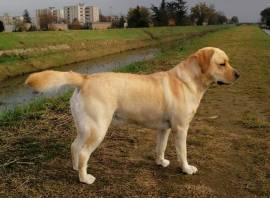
column 214, row 65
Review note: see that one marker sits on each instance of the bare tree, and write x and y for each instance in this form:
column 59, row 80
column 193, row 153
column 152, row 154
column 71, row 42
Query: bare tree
column 201, row 13
column 45, row 20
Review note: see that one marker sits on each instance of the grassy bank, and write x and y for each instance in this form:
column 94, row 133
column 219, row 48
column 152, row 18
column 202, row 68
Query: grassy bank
column 231, row 151
column 32, row 51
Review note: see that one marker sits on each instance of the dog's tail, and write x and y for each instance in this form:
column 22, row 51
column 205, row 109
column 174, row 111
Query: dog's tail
column 47, row 80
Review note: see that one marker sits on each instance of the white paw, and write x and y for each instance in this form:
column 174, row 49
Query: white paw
column 88, row 179
column 163, row 162
column 75, row 168
column 190, row 170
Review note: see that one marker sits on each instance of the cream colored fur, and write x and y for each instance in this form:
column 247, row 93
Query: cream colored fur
column 165, row 101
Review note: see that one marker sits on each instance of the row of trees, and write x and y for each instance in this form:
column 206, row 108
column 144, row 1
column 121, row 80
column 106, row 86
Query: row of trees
column 175, row 12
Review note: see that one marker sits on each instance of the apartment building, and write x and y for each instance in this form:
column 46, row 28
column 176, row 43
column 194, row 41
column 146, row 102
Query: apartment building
column 85, row 14
column 75, row 12
column 57, row 13
column 91, row 14
column 6, row 19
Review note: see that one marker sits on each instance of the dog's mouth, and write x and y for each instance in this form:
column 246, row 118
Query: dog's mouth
column 222, row 83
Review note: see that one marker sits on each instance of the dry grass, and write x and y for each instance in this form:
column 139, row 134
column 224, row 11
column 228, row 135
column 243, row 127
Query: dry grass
column 228, row 141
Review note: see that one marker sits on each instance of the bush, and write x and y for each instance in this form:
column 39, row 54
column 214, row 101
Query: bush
column 2, row 28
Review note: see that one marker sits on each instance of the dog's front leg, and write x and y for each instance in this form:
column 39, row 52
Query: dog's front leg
column 181, row 149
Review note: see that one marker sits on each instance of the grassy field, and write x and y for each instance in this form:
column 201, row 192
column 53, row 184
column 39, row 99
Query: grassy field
column 11, row 41
column 231, row 151
column 31, row 51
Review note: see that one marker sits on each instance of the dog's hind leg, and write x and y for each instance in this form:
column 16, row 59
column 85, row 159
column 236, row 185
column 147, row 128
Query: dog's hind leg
column 92, row 120
column 75, row 148
column 91, row 141
column 162, row 139
column 94, row 127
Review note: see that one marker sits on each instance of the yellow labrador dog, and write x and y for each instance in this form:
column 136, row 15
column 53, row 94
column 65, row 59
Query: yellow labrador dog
column 165, row 101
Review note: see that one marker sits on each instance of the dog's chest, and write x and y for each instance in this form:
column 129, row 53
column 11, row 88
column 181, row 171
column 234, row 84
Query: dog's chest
column 191, row 106
column 191, row 113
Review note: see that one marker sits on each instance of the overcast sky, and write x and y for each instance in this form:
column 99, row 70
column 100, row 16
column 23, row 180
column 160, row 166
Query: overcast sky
column 246, row 10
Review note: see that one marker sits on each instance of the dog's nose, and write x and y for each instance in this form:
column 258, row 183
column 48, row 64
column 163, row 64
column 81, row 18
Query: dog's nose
column 236, row 74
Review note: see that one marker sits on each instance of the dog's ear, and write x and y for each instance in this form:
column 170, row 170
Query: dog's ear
column 203, row 58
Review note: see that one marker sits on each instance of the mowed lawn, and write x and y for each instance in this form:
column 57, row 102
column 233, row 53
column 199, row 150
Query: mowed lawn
column 229, row 139
column 19, row 40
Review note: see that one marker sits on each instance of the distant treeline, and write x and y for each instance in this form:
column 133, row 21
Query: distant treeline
column 176, row 12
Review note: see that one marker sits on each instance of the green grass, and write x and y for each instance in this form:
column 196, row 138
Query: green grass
column 9, row 59
column 42, row 39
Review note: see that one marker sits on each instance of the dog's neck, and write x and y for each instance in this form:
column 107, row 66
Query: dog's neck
column 191, row 75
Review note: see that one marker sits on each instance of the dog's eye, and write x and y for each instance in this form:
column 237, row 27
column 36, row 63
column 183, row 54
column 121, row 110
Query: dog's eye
column 223, row 64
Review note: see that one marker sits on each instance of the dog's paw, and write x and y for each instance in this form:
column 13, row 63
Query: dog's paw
column 88, row 179
column 190, row 170
column 75, row 168
column 164, row 163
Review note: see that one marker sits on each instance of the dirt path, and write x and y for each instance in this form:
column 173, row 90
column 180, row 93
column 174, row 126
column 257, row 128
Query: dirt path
column 232, row 152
